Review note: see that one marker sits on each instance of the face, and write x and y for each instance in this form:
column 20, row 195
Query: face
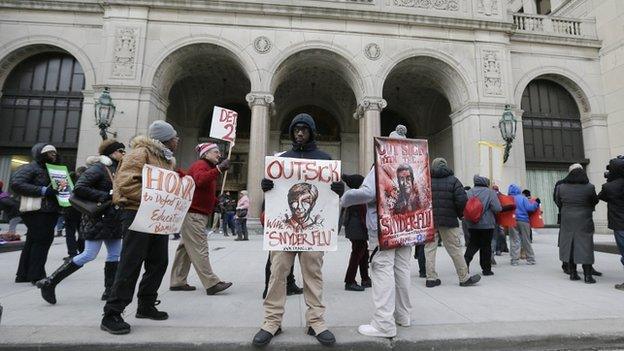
column 213, row 155
column 172, row 144
column 50, row 156
column 301, row 133
column 118, row 155
column 405, row 181
column 301, row 207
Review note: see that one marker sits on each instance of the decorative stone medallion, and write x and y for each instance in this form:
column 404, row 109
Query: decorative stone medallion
column 262, row 45
column 372, row 51
column 125, row 52
column 487, row 7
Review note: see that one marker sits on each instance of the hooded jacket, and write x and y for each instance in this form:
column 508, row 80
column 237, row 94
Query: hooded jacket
column 523, row 205
column 489, row 199
column 449, row 196
column 29, row 180
column 309, row 149
column 612, row 193
column 128, row 180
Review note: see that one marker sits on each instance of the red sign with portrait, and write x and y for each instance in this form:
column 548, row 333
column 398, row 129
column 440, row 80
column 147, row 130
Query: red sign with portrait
column 404, row 205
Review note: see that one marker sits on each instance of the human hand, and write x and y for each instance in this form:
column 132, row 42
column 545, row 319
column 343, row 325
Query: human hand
column 338, row 188
column 266, row 184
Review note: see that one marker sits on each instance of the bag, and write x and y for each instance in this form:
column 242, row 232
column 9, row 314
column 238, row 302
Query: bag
column 473, row 210
column 30, row 204
column 88, row 207
column 536, row 219
column 507, row 217
column 241, row 213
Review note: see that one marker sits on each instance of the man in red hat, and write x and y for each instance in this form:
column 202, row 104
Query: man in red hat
column 193, row 247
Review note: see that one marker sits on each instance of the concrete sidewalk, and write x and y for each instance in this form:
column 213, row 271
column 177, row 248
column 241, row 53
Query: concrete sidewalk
column 523, row 307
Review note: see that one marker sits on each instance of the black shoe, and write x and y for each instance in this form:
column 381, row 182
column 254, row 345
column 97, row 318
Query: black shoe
column 238, row 239
column 574, row 276
column 487, row 273
column 263, row 337
column 565, row 267
column 353, row 287
column 326, row 338
column 367, row 283
column 589, row 279
column 471, row 281
column 596, row 273
column 184, row 287
column 114, row 324
column 110, row 269
column 47, row 285
column 149, row 311
column 220, row 286
column 293, row 290
column 433, row 283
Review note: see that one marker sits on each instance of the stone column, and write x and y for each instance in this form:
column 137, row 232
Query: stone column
column 260, row 103
column 368, row 113
column 596, row 144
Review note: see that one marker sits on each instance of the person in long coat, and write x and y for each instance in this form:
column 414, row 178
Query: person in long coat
column 577, row 200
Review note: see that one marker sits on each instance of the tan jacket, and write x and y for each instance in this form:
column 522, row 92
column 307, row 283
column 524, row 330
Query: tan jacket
column 128, row 180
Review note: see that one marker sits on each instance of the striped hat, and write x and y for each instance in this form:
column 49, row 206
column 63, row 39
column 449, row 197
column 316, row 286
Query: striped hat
column 205, row 147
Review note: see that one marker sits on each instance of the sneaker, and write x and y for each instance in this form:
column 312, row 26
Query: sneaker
column 369, row 330
column 433, row 283
column 184, row 287
column 619, row 286
column 114, row 324
column 488, row 273
column 471, row 281
column 149, row 311
column 367, row 283
column 220, row 286
column 403, row 324
column 263, row 337
column 353, row 287
column 326, row 338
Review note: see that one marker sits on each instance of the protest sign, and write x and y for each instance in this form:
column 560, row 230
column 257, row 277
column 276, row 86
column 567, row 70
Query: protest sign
column 165, row 199
column 223, row 124
column 60, row 180
column 301, row 211
column 403, row 182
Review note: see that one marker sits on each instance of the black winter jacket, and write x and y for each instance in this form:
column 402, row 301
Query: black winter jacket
column 355, row 222
column 449, row 198
column 613, row 194
column 308, row 150
column 95, row 185
column 29, row 179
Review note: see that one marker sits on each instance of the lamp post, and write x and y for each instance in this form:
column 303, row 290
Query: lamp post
column 104, row 113
column 507, row 126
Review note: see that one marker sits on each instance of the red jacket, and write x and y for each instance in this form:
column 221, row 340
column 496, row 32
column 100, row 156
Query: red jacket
column 205, row 175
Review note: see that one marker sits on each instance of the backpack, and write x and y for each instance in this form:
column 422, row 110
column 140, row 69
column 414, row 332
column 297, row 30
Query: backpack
column 473, row 210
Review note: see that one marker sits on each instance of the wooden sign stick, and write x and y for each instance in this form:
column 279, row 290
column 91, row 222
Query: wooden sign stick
column 226, row 172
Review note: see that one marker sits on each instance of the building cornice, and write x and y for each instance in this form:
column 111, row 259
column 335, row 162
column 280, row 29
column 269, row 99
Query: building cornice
column 54, row 5
column 553, row 39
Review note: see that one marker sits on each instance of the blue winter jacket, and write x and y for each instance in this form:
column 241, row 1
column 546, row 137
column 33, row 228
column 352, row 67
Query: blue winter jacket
column 523, row 205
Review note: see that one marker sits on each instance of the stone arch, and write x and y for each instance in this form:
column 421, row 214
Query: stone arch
column 19, row 49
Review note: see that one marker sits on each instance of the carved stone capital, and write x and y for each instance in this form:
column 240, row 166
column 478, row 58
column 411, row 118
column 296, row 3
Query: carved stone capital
column 369, row 104
column 262, row 99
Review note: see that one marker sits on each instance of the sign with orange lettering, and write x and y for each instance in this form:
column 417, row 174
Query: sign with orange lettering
column 301, row 211
column 223, row 124
column 165, row 199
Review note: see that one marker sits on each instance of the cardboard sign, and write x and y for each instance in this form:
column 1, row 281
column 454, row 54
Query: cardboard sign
column 507, row 217
column 223, row 124
column 60, row 180
column 165, row 199
column 403, row 181
column 301, row 212
column 536, row 218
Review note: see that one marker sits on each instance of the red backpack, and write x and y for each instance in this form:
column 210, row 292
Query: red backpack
column 473, row 210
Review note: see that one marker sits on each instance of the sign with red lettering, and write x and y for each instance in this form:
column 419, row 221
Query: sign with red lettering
column 301, row 211
column 404, row 206
column 165, row 199
column 223, row 124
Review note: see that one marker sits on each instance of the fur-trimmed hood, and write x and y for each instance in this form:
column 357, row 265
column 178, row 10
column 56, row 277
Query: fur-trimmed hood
column 154, row 147
column 105, row 160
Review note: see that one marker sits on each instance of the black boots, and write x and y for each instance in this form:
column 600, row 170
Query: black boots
column 110, row 268
column 588, row 271
column 572, row 271
column 114, row 324
column 48, row 284
column 148, row 310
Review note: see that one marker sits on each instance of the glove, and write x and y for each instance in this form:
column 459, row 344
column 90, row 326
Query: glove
column 266, row 184
column 50, row 191
column 338, row 188
column 224, row 165
column 539, row 202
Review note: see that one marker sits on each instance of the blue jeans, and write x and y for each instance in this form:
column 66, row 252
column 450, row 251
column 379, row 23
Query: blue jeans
column 92, row 248
column 619, row 240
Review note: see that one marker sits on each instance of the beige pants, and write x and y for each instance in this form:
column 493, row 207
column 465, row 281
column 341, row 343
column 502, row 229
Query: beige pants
column 451, row 237
column 311, row 264
column 193, row 248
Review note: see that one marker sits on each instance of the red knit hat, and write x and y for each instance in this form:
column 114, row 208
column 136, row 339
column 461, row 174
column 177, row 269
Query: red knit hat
column 205, row 147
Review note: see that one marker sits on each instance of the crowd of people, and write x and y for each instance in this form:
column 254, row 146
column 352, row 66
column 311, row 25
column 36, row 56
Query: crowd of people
column 112, row 180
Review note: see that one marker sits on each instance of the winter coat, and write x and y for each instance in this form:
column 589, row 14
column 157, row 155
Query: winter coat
column 365, row 194
column 577, row 199
column 489, row 199
column 242, row 207
column 95, row 184
column 127, row 186
column 613, row 194
column 523, row 205
column 449, row 197
column 205, row 175
column 30, row 179
column 309, row 149
column 355, row 222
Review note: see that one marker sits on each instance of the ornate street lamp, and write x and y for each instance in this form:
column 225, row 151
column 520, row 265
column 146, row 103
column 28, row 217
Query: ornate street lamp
column 507, row 126
column 104, row 113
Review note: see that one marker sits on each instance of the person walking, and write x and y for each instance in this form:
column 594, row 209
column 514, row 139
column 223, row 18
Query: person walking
column 33, row 181
column 193, row 247
column 226, row 211
column 95, row 185
column 612, row 193
column 302, row 131
column 449, row 199
column 73, row 239
column 520, row 235
column 481, row 231
column 354, row 221
column 577, row 199
column 242, row 207
column 138, row 248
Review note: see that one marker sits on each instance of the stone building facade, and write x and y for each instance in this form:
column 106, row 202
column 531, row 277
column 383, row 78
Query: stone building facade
column 444, row 68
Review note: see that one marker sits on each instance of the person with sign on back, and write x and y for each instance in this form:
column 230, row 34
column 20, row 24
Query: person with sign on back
column 139, row 248
column 479, row 213
column 193, row 247
column 302, row 132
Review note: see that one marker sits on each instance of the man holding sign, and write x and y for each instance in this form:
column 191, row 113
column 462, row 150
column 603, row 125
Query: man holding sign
column 140, row 247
